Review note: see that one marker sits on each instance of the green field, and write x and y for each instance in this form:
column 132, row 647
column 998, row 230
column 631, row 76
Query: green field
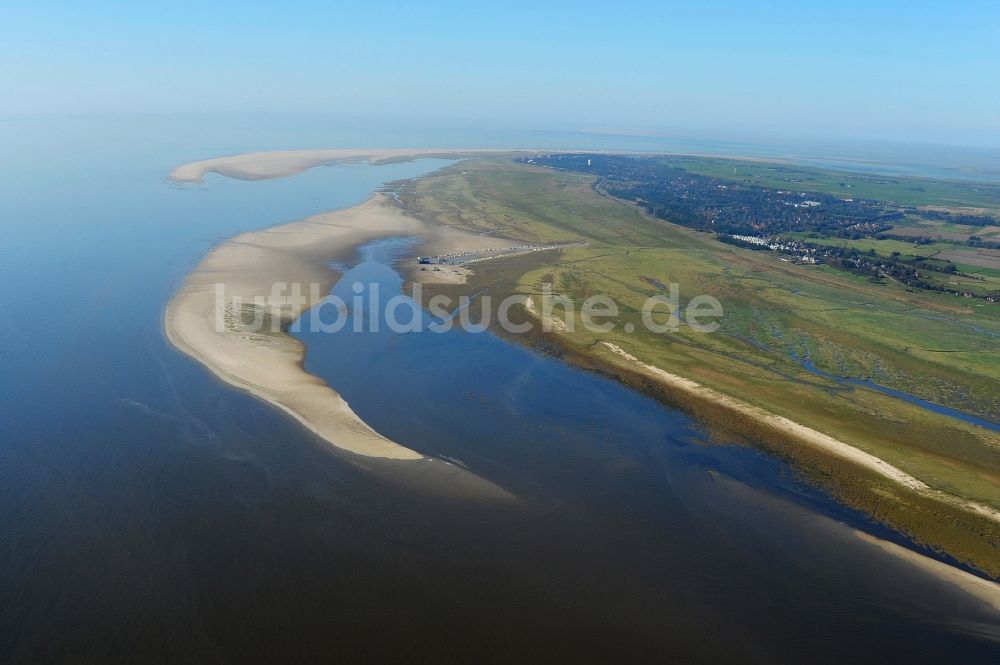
column 976, row 279
column 940, row 348
column 913, row 225
column 883, row 247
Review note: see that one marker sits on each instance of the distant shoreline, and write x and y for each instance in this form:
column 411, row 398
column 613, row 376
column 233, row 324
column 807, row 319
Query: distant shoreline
column 284, row 163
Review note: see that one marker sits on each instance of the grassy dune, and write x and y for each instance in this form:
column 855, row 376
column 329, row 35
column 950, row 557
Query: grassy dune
column 937, row 347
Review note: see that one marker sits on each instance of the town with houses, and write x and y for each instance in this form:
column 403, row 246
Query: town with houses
column 789, row 223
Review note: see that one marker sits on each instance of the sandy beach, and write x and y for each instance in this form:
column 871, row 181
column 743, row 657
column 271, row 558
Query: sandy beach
column 985, row 590
column 266, row 361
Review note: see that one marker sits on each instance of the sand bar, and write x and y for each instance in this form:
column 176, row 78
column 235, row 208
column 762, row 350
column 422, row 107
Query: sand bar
column 282, row 163
column 267, row 362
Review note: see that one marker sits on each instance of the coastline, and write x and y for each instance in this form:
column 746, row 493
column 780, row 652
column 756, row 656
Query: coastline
column 793, row 430
column 961, row 526
column 799, row 432
column 298, row 252
column 985, row 590
column 268, row 362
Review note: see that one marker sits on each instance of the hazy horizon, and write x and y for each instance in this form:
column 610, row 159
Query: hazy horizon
column 40, row 139
column 882, row 71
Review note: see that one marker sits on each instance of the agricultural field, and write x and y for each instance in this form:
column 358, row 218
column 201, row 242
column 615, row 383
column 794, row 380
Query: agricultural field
column 942, row 194
column 883, row 247
column 788, row 331
column 943, row 231
column 932, row 248
column 978, row 270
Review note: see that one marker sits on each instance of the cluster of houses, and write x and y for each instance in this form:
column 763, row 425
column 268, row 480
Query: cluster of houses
column 803, row 204
column 868, row 228
column 799, row 204
column 805, row 254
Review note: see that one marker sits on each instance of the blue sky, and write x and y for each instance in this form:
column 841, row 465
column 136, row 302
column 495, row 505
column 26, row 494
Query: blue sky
column 913, row 71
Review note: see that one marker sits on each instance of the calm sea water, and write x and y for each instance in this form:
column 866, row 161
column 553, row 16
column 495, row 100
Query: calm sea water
column 149, row 513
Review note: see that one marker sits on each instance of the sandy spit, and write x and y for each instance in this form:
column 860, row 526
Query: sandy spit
column 267, row 362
